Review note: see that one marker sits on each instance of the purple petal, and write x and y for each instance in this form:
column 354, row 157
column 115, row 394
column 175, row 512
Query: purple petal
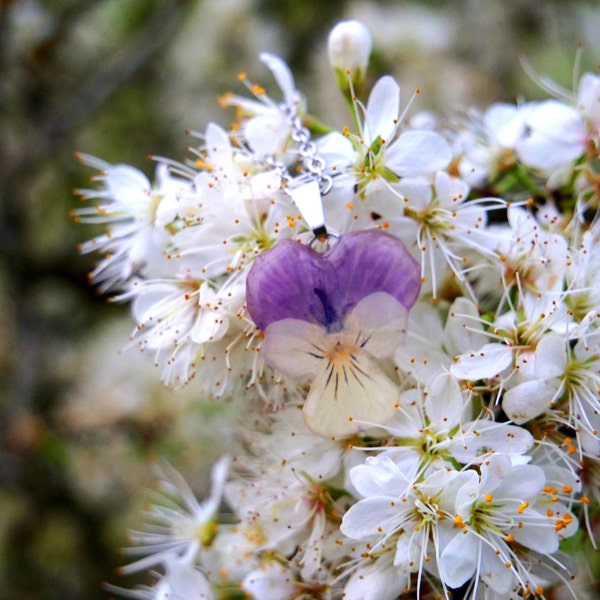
column 372, row 261
column 293, row 281
column 281, row 285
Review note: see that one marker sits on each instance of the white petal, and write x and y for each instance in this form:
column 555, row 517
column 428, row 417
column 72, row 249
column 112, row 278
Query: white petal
column 376, row 581
column 218, row 146
column 481, row 438
column 382, row 110
column 459, row 558
column 420, row 354
column 270, row 582
column 167, row 209
column 561, row 476
column 550, row 356
column 501, row 119
column 424, row 321
column 508, row 482
column 557, row 121
column 266, row 134
column 586, row 350
column 218, row 478
column 455, row 491
column 127, row 184
column 464, row 331
column 371, row 516
column 209, row 326
column 186, row 582
column 525, row 482
column 495, row 574
column 262, row 186
column 420, row 361
column 588, row 100
column 348, row 392
column 540, row 537
column 488, row 361
column 416, row 191
column 336, row 149
column 182, row 581
column 417, row 153
column 387, row 474
column 450, row 188
column 381, row 320
column 525, row 366
column 444, row 403
column 409, row 550
column 530, row 399
column 292, row 347
column 282, row 75
column 149, row 304
column 557, row 136
column 467, row 487
column 590, row 442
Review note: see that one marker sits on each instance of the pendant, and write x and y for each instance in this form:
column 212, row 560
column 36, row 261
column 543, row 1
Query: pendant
column 330, row 318
column 307, row 198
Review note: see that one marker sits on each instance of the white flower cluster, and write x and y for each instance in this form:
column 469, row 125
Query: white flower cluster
column 478, row 451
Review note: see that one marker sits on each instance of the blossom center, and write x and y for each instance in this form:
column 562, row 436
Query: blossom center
column 341, row 354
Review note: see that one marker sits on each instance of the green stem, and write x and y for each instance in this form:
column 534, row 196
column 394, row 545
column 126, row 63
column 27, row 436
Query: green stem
column 315, row 126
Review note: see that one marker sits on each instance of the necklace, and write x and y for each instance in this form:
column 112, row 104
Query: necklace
column 308, row 188
column 331, row 312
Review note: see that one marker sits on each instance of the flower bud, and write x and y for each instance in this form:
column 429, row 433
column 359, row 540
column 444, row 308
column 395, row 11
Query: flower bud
column 349, row 48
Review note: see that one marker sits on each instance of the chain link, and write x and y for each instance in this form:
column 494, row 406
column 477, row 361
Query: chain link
column 307, row 188
column 312, row 164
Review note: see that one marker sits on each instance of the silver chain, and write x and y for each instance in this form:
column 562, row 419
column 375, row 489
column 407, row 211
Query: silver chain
column 308, row 188
column 312, row 163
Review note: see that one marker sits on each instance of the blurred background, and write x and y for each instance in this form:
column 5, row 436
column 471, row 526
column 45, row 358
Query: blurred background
column 81, row 421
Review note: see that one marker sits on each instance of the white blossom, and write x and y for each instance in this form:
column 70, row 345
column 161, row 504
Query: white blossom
column 420, row 374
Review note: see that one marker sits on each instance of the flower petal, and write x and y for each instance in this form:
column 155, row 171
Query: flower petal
column 542, row 538
column 282, row 75
column 503, row 122
column 291, row 347
column 294, row 281
column 418, row 153
column 551, row 356
column 481, row 438
column 382, row 110
column 390, row 473
column 588, row 98
column 371, row 516
column 376, row 581
column 458, row 560
column 371, row 261
column 463, row 331
column 488, row 361
column 347, row 393
column 530, row 399
column 266, row 134
column 444, row 403
column 556, row 136
column 379, row 320
column 271, row 581
column 282, row 284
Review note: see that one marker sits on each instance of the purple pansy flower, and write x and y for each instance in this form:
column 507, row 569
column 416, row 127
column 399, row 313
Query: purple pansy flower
column 330, row 317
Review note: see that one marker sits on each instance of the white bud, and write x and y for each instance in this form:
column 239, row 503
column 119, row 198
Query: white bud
column 349, row 48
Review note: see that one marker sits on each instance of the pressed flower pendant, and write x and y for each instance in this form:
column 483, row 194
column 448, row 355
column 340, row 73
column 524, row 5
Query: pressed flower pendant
column 331, row 318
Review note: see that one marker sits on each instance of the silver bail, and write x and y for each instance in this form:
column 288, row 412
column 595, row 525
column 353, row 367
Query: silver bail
column 307, row 198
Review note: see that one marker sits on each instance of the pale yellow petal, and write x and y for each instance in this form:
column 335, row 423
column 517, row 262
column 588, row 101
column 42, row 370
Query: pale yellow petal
column 350, row 393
